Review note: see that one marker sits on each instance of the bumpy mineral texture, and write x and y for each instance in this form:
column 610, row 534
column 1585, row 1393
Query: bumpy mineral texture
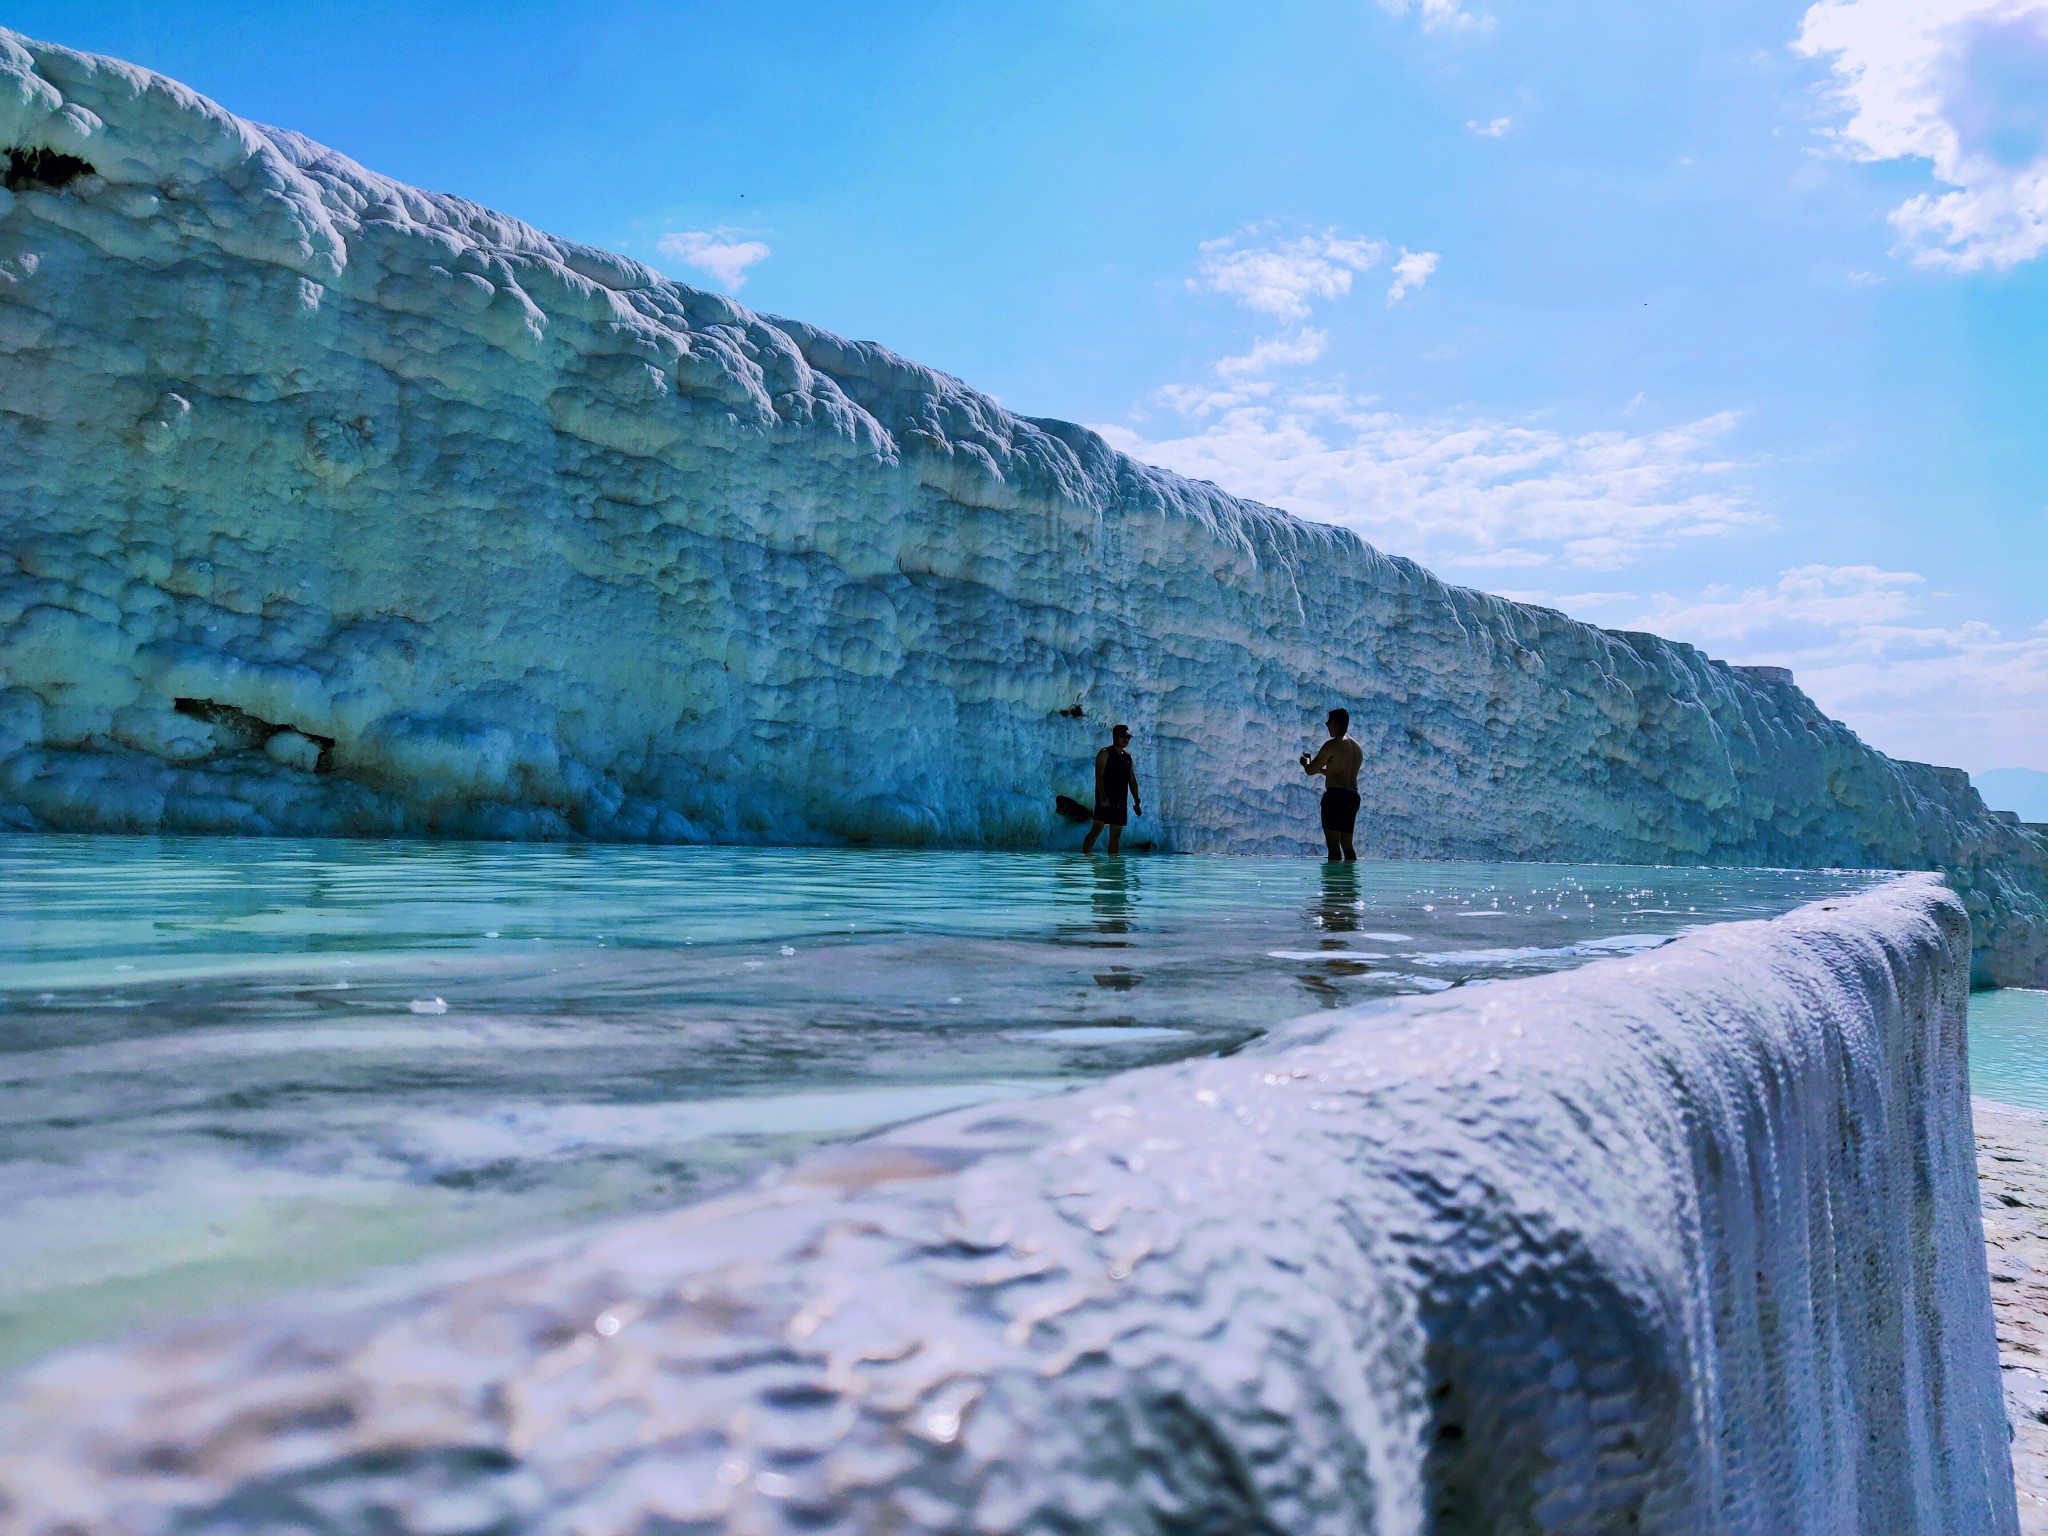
column 2012, row 1173
column 332, row 506
column 1676, row 1244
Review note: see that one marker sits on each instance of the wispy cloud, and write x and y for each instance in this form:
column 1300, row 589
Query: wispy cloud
column 1303, row 346
column 1808, row 602
column 1438, row 15
column 1285, row 277
column 1577, row 604
column 1413, row 270
column 716, row 252
column 1497, row 129
column 1282, row 278
column 1862, row 644
column 1484, row 493
column 1963, row 85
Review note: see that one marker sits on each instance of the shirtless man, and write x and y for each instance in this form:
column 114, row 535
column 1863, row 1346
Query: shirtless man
column 1338, row 762
column 1115, row 776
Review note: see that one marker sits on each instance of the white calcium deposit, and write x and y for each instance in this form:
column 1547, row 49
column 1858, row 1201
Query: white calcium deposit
column 328, row 505
column 1681, row 1243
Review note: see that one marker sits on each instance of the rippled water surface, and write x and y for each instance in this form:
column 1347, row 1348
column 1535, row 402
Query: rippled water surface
column 232, row 1067
column 2009, row 1046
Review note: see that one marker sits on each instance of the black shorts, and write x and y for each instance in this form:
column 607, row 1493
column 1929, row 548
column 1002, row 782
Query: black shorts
column 1340, row 810
column 1113, row 813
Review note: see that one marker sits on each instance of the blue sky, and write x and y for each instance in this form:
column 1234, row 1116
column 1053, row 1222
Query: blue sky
column 1726, row 321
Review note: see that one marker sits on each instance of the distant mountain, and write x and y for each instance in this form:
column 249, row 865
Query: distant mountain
column 2015, row 789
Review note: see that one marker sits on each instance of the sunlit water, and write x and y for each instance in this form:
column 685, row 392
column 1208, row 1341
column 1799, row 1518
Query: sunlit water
column 2009, row 1047
column 232, row 1067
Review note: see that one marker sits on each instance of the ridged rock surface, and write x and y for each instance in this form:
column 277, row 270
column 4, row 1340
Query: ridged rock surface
column 1676, row 1244
column 2012, row 1175
column 332, row 506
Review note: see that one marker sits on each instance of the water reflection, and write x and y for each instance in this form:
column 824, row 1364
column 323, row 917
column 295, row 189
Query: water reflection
column 1115, row 898
column 1339, row 909
column 1107, row 889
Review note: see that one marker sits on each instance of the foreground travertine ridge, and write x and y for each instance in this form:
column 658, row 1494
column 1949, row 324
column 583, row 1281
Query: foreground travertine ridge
column 329, row 505
column 1674, row 1244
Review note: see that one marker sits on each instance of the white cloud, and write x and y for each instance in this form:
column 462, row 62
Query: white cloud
column 1413, row 270
column 1808, row 601
column 716, row 252
column 1963, row 85
column 1285, row 277
column 1436, row 15
column 1198, row 400
column 1281, row 279
column 1860, row 643
column 1276, row 351
column 1574, row 603
column 1497, row 129
column 1487, row 493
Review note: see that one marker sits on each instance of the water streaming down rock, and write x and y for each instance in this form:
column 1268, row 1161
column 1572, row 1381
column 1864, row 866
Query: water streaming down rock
column 331, row 505
column 1676, row 1243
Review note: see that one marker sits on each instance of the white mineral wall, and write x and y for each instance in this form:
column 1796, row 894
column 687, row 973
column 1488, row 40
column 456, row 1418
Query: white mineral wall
column 1676, row 1244
column 436, row 524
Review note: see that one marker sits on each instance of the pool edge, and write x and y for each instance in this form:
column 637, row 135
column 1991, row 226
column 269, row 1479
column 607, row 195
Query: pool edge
column 1661, row 1235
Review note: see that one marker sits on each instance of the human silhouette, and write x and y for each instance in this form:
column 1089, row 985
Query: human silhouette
column 1338, row 762
column 1116, row 791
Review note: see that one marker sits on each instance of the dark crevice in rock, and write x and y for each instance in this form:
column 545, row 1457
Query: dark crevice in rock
column 241, row 731
column 238, row 730
column 51, row 168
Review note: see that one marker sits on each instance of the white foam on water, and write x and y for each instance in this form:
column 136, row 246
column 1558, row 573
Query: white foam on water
column 1619, row 944
column 1101, row 1034
column 1324, row 954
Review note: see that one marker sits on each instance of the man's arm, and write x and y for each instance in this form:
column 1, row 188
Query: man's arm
column 1100, row 754
column 1137, row 800
column 1320, row 763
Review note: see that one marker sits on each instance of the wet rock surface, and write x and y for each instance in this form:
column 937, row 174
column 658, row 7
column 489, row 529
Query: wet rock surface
column 1676, row 1243
column 2012, row 1175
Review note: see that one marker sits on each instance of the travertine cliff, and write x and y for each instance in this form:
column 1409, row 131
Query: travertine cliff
column 328, row 505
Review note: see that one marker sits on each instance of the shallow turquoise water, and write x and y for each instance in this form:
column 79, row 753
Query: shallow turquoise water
column 2009, row 1047
column 228, row 1068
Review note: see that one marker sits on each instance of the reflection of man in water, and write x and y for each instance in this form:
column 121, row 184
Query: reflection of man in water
column 1339, row 911
column 1338, row 762
column 1116, row 778
column 1111, row 902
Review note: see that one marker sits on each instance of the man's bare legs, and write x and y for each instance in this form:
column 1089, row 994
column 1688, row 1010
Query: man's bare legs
column 1116, row 838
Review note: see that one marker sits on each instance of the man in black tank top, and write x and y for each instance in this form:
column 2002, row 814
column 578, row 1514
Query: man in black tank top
column 1116, row 777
